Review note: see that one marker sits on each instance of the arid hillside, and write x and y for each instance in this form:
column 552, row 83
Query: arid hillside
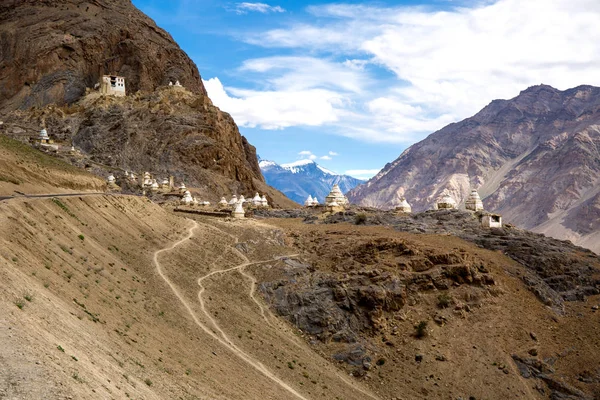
column 114, row 296
column 27, row 170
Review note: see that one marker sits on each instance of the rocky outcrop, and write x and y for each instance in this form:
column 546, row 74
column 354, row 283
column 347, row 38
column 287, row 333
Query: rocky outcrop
column 534, row 158
column 52, row 50
column 555, row 271
column 170, row 131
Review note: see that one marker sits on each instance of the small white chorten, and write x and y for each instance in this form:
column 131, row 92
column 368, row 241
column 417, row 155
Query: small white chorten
column 182, row 188
column 233, row 201
column 242, row 199
column 223, row 202
column 264, row 202
column 239, row 210
column 315, row 202
column 309, row 201
column 474, row 202
column 154, row 186
column 165, row 184
column 177, row 83
column 44, row 138
column 187, row 198
column 256, row 201
column 404, row 206
column 170, row 83
column 111, row 179
column 446, row 202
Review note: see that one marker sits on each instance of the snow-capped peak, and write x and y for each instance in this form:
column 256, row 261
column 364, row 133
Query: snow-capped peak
column 298, row 163
column 327, row 171
column 266, row 163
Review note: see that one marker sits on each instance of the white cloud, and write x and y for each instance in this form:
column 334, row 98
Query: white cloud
column 276, row 109
column 362, row 173
column 244, row 8
column 333, row 153
column 326, row 158
column 447, row 65
column 305, row 153
column 312, row 157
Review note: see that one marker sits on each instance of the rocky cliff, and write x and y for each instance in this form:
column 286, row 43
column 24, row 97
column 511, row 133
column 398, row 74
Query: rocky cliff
column 53, row 53
column 51, row 50
column 534, row 158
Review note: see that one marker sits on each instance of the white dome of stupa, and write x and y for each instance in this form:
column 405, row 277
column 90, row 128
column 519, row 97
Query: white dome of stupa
column 336, row 196
column 263, row 201
column 256, row 200
column 223, row 202
column 309, row 201
column 446, row 202
column 44, row 134
column 187, row 198
column 474, row 202
column 315, row 202
column 404, row 206
column 233, row 201
column 111, row 178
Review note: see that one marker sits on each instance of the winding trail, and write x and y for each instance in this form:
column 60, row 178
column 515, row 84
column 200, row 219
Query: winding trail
column 223, row 340
column 220, row 335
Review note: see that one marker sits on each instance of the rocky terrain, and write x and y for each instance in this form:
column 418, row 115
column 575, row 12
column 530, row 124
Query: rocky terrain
column 302, row 178
column 412, row 306
column 535, row 159
column 54, row 52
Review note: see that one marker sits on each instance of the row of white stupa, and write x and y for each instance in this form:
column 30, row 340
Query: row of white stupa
column 473, row 203
column 256, row 201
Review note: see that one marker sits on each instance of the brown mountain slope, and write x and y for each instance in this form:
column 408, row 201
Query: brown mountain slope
column 51, row 50
column 534, row 158
column 52, row 53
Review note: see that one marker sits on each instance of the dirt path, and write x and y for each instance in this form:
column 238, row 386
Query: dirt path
column 222, row 338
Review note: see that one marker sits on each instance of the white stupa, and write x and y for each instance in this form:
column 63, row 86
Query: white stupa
column 256, row 201
column 111, row 179
column 446, row 202
column 187, row 198
column 147, row 179
column 154, row 186
column 165, row 184
column 336, row 196
column 315, row 202
column 44, row 138
column 309, row 201
column 404, row 206
column 177, row 83
column 233, row 201
column 223, row 202
column 474, row 202
column 238, row 212
column 170, row 83
column 264, row 202
column 242, row 199
column 182, row 188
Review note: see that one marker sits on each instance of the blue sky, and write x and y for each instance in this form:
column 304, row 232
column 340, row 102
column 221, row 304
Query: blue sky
column 353, row 84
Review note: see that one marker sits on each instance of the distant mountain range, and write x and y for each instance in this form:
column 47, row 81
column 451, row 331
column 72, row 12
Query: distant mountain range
column 302, row 178
column 534, row 158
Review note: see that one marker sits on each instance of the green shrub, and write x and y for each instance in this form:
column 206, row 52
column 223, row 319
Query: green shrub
column 360, row 219
column 421, row 329
column 444, row 300
column 81, row 237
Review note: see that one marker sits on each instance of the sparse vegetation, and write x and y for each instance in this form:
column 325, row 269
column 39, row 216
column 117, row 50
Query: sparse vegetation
column 421, row 329
column 28, row 297
column 81, row 237
column 9, row 179
column 444, row 300
column 360, row 219
column 20, row 304
column 60, row 348
column 148, row 382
